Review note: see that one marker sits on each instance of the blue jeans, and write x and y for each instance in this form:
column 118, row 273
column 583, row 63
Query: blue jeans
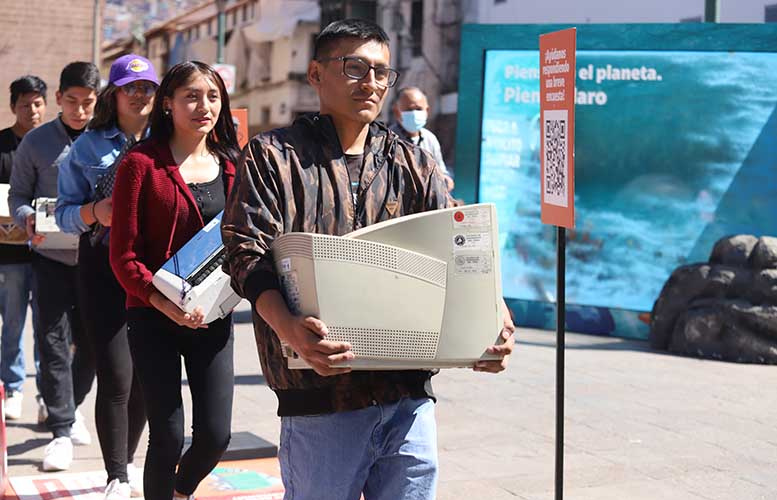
column 388, row 452
column 15, row 285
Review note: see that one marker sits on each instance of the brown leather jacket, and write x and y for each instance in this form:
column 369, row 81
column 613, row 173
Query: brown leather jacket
column 295, row 179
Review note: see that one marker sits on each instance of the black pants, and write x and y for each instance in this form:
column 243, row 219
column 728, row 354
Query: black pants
column 120, row 414
column 157, row 347
column 65, row 375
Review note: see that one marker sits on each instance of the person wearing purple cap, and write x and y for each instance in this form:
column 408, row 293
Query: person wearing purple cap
column 84, row 203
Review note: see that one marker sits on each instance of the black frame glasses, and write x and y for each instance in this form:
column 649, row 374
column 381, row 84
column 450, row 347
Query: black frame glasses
column 357, row 68
column 130, row 89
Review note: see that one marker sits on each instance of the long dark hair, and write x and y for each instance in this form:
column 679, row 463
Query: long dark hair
column 106, row 114
column 222, row 139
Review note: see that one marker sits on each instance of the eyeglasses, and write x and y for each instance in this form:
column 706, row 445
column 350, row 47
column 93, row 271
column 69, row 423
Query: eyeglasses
column 133, row 88
column 357, row 68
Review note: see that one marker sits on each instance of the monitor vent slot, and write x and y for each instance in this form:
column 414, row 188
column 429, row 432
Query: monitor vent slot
column 388, row 344
column 362, row 252
column 301, row 246
column 432, row 270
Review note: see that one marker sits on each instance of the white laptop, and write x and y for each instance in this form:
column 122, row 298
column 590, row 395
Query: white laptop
column 193, row 276
column 46, row 224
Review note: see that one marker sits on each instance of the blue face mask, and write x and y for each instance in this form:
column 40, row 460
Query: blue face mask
column 413, row 120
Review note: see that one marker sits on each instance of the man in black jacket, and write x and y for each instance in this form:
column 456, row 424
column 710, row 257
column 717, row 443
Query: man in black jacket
column 343, row 433
column 28, row 104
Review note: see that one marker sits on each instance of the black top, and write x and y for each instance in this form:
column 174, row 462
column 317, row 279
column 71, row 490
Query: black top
column 10, row 254
column 71, row 132
column 8, row 144
column 355, row 164
column 210, row 196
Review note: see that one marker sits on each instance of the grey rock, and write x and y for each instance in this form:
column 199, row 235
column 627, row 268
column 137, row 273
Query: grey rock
column 764, row 254
column 764, row 286
column 733, row 250
column 724, row 310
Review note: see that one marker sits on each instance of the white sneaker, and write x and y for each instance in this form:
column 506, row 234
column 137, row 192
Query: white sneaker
column 116, row 490
column 58, row 454
column 12, row 406
column 135, row 476
column 79, row 433
column 43, row 412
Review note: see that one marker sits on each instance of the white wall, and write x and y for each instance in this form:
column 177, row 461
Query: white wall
column 607, row 11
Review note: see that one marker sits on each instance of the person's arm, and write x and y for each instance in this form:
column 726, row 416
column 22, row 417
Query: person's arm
column 74, row 191
column 505, row 349
column 252, row 220
column 126, row 241
column 23, row 180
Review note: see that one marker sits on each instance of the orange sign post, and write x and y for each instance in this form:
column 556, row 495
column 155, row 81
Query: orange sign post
column 557, row 186
column 240, row 118
column 557, row 108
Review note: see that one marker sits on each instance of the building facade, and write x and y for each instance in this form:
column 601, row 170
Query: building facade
column 40, row 38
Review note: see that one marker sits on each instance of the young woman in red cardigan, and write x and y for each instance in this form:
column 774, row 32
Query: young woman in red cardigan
column 166, row 190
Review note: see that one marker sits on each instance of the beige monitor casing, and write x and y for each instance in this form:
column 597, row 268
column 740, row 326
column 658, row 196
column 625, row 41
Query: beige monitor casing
column 437, row 304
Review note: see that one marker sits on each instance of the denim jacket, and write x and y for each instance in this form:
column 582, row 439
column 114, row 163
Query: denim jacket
column 90, row 157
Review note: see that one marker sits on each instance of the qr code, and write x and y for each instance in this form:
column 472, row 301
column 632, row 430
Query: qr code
column 555, row 137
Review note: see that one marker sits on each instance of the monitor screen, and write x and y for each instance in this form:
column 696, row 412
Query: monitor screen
column 674, row 150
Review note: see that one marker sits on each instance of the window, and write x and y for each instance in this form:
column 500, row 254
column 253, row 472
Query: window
column 417, row 26
column 265, row 115
column 770, row 13
column 364, row 9
column 210, row 28
column 332, row 10
column 245, row 12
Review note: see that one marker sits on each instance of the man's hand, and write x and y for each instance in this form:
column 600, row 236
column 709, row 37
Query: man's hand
column 103, row 210
column 504, row 349
column 306, row 337
column 176, row 315
column 35, row 238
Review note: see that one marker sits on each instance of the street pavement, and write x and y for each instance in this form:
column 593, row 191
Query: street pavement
column 639, row 424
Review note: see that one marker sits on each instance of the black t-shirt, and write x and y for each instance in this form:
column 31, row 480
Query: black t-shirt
column 10, row 254
column 71, row 132
column 8, row 144
column 210, row 196
column 355, row 164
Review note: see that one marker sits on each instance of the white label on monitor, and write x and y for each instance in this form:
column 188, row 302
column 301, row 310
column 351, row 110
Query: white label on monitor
column 285, row 265
column 466, row 241
column 472, row 217
column 211, row 224
column 472, row 264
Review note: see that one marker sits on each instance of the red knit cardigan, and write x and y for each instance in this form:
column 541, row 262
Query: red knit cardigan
column 154, row 215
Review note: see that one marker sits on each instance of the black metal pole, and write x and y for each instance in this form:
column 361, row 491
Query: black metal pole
column 561, row 240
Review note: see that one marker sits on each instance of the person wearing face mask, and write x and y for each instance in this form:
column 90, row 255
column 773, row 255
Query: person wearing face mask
column 28, row 104
column 120, row 120
column 66, row 378
column 411, row 112
column 167, row 189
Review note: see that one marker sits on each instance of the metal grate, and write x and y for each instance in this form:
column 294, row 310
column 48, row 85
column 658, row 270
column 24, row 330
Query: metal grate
column 301, row 246
column 388, row 344
column 355, row 251
column 435, row 271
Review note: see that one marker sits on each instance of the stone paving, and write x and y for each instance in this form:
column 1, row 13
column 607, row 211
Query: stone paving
column 639, row 424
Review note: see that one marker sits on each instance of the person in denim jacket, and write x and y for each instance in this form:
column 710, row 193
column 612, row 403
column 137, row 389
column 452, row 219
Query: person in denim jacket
column 121, row 119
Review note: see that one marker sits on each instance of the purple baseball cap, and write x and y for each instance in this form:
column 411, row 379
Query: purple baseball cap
column 131, row 68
